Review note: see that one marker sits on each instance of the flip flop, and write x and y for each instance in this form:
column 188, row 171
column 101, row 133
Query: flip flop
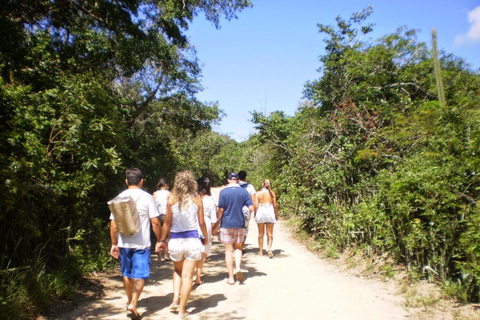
column 230, row 283
column 183, row 316
column 240, row 276
column 270, row 254
column 174, row 308
column 134, row 315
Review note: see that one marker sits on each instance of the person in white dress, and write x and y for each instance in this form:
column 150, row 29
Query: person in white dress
column 161, row 197
column 210, row 215
column 183, row 219
column 266, row 214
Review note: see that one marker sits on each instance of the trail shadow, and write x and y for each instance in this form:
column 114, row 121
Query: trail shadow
column 279, row 253
column 155, row 303
column 206, row 302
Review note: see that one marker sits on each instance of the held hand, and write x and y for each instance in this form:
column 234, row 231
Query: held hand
column 115, row 251
column 160, row 247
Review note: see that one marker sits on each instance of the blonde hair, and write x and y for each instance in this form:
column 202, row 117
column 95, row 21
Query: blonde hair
column 184, row 188
column 268, row 185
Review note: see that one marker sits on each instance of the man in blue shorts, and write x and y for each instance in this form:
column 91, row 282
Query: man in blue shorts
column 231, row 221
column 134, row 251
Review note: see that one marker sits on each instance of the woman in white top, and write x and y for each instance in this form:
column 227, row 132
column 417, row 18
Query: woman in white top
column 161, row 196
column 210, row 215
column 265, row 215
column 183, row 218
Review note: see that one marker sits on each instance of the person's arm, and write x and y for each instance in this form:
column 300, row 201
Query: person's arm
column 254, row 200
column 167, row 223
column 255, row 204
column 217, row 224
column 213, row 214
column 157, row 230
column 114, row 250
column 275, row 205
column 201, row 219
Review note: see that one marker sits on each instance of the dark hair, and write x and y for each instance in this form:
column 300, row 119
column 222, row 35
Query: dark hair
column 134, row 176
column 242, row 175
column 161, row 183
column 204, row 186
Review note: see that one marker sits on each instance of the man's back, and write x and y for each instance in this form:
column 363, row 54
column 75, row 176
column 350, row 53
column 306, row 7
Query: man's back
column 232, row 199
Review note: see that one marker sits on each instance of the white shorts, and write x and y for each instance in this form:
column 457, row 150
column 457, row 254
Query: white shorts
column 265, row 213
column 185, row 248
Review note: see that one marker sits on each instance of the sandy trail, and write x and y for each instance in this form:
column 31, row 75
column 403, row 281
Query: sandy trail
column 295, row 284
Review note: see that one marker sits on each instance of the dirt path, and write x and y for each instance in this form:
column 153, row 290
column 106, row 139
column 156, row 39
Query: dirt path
column 295, row 284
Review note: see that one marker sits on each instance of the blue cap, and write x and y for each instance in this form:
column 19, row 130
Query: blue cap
column 232, row 176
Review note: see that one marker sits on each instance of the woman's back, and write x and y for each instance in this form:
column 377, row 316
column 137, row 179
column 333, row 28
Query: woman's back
column 264, row 196
column 184, row 218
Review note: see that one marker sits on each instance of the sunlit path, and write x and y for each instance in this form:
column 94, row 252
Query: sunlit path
column 295, row 284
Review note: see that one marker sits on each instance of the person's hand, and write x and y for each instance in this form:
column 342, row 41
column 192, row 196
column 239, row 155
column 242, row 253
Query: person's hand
column 115, row 251
column 161, row 246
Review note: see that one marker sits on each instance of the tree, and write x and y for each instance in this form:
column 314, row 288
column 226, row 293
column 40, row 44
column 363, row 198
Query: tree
column 87, row 88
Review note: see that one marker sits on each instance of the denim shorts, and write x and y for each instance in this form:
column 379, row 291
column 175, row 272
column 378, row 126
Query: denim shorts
column 135, row 263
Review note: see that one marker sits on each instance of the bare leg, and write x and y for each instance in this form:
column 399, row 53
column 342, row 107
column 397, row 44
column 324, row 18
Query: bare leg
column 261, row 234
column 229, row 261
column 200, row 263
column 238, row 256
column 128, row 285
column 269, row 227
column 177, row 282
column 187, row 282
column 134, row 288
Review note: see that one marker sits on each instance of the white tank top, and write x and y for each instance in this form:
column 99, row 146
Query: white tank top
column 186, row 219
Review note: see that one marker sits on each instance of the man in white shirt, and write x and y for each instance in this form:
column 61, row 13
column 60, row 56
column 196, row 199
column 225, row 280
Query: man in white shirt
column 242, row 177
column 134, row 251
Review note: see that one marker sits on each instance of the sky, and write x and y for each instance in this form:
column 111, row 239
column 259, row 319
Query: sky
column 262, row 60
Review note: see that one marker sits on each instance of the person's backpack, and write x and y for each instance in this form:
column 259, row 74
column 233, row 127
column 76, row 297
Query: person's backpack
column 125, row 211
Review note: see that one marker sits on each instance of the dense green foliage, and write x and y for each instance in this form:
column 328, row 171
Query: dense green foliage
column 87, row 89
column 372, row 160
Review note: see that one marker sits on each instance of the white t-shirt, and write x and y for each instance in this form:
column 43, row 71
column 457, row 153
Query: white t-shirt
column 209, row 210
column 147, row 209
column 161, row 198
column 251, row 191
column 250, row 188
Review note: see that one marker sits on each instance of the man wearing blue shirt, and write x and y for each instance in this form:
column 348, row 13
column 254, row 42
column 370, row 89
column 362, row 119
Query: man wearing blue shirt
column 231, row 221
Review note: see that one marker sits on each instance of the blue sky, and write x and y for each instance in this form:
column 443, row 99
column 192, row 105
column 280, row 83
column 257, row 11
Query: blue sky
column 262, row 60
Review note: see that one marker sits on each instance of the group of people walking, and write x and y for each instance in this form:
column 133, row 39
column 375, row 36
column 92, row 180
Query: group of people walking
column 184, row 221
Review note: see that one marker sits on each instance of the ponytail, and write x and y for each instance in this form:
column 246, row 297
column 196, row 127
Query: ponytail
column 267, row 184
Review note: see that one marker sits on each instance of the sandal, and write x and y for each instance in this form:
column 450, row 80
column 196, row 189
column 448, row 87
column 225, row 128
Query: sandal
column 174, row 308
column 270, row 254
column 240, row 277
column 133, row 314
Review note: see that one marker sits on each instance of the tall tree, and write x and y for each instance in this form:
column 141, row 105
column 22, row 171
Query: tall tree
column 87, row 88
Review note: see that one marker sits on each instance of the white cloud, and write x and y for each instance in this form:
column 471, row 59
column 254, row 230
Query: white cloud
column 474, row 33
